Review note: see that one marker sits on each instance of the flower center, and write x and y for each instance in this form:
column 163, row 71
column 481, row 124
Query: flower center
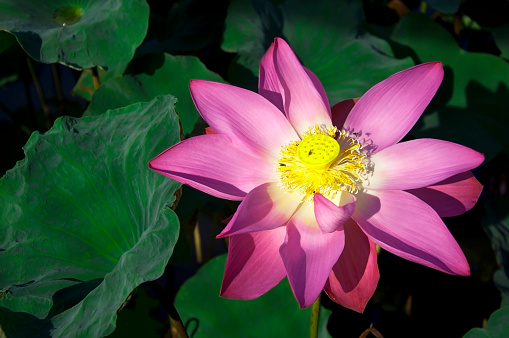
column 317, row 151
column 324, row 161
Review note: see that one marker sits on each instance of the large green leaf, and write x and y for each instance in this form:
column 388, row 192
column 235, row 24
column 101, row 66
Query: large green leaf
column 77, row 33
column 497, row 327
column 84, row 212
column 326, row 35
column 173, row 76
column 275, row 314
column 471, row 105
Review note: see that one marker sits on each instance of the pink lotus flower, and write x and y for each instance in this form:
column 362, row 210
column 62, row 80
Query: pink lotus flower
column 320, row 187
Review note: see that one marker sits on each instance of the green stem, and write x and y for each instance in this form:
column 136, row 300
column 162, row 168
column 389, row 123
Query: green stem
column 315, row 318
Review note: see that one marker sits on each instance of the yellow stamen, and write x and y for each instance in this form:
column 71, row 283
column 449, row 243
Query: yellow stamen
column 325, row 161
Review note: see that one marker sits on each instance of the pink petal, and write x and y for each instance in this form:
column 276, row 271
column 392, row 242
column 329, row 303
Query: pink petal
column 211, row 163
column 268, row 82
column 331, row 217
column 453, row 196
column 270, row 87
column 309, row 255
column 252, row 122
column 303, row 102
column 254, row 265
column 386, row 112
column 406, row 226
column 340, row 111
column 319, row 87
column 354, row 277
column 419, row 163
column 265, row 207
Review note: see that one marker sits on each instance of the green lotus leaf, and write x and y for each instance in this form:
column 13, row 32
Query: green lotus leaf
column 78, row 33
column 326, row 35
column 172, row 76
column 498, row 326
column 84, row 220
column 471, row 105
column 275, row 314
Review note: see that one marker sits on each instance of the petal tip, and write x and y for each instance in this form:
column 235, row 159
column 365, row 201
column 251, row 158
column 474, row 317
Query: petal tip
column 305, row 304
column 277, row 39
column 152, row 164
column 433, row 65
column 193, row 83
column 224, row 233
column 463, row 270
column 438, row 67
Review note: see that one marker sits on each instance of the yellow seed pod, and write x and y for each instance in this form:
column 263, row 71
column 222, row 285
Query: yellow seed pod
column 318, row 151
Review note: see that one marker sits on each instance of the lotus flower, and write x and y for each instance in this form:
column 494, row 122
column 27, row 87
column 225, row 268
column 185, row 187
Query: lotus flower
column 320, row 186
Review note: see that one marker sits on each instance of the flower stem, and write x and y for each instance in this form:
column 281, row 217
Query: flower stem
column 95, row 77
column 315, row 317
column 197, row 243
